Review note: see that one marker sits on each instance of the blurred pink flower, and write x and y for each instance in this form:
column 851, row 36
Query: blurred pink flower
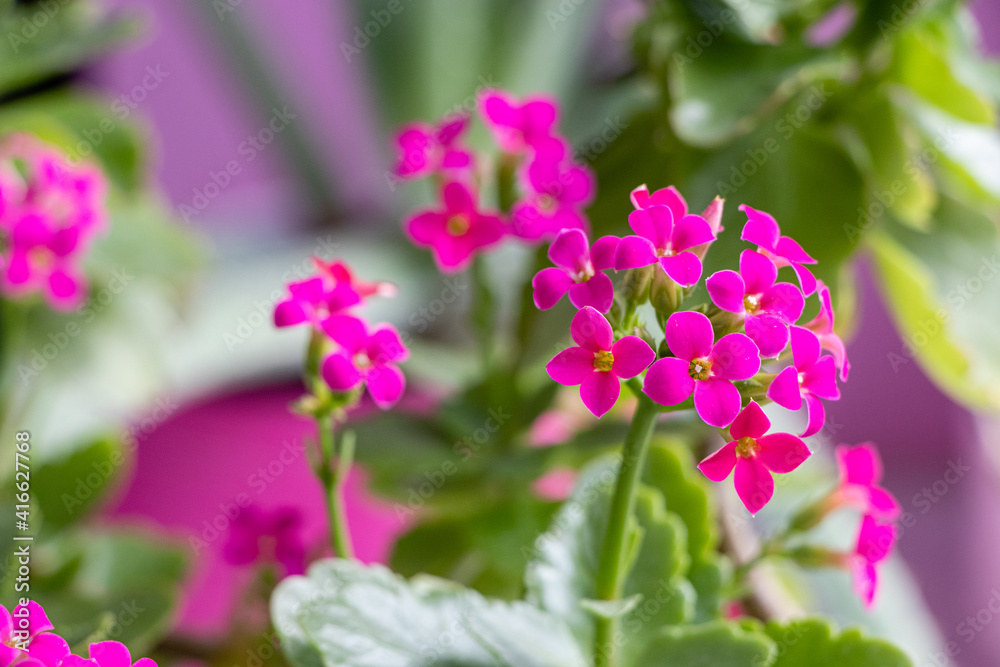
column 755, row 456
column 767, row 308
column 555, row 485
column 258, row 535
column 762, row 229
column 558, row 191
column 579, row 273
column 457, row 230
column 703, row 368
column 518, row 126
column 860, row 474
column 367, row 357
column 423, row 149
column 599, row 361
column 333, row 290
column 822, row 326
column 874, row 543
column 808, row 379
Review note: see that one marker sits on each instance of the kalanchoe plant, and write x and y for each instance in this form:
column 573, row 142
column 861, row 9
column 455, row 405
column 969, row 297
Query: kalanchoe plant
column 632, row 571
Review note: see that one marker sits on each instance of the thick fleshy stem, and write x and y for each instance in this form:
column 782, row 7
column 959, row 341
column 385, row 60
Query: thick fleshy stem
column 611, row 571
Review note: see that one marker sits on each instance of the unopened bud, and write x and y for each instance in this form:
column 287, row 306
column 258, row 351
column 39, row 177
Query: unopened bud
column 637, row 281
column 664, row 294
column 713, row 216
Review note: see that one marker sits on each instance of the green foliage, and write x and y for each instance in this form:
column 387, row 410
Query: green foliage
column 68, row 489
column 812, row 642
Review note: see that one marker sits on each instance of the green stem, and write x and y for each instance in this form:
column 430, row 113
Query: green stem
column 332, row 474
column 611, row 571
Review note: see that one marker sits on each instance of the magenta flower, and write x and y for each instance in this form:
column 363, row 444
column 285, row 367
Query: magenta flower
column 107, row 654
column 455, row 232
column 822, row 326
column 767, row 308
column 860, row 474
column 366, row 357
column 762, row 229
column 875, row 542
column 518, row 126
column 579, row 272
column 808, row 379
column 755, row 456
column 700, row 367
column 558, row 193
column 598, row 361
column 666, row 234
column 425, row 150
column 334, row 290
column 26, row 638
column 257, row 535
column 45, row 258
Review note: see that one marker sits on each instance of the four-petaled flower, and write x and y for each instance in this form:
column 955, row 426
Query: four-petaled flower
column 665, row 235
column 107, row 654
column 808, row 379
column 860, row 473
column 762, row 230
column 368, row 357
column 874, row 543
column 334, row 290
column 703, row 368
column 257, row 535
column 518, row 126
column 598, row 361
column 579, row 273
column 425, row 150
column 558, row 193
column 767, row 308
column 822, row 326
column 457, row 230
column 755, row 454
column 26, row 637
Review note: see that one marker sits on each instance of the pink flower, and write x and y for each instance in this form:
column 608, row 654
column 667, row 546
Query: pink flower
column 257, row 535
column 767, row 308
column 425, row 150
column 107, row 654
column 700, row 367
column 809, row 379
column 755, row 456
column 666, row 234
column 366, row 357
column 518, row 126
column 26, row 638
column 860, row 474
column 599, row 361
column 762, row 230
column 875, row 542
column 579, row 272
column 45, row 258
column 558, row 193
column 457, row 230
column 334, row 290
column 555, row 485
column 822, row 326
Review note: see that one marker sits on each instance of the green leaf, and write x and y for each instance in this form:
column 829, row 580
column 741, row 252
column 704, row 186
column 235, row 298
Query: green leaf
column 347, row 613
column 671, row 470
column 611, row 608
column 68, row 489
column 710, row 645
column 811, row 643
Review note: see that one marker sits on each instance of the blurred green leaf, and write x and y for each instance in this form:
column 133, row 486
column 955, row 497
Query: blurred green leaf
column 715, row 643
column 67, row 490
column 811, row 643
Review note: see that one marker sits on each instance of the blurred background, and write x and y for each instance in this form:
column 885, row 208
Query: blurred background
column 262, row 135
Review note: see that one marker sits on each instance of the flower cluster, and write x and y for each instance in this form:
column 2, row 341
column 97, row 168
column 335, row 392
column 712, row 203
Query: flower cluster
column 50, row 213
column 27, row 640
column 355, row 354
column 542, row 189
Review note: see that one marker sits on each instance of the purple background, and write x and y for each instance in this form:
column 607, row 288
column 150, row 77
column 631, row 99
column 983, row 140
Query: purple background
column 199, row 116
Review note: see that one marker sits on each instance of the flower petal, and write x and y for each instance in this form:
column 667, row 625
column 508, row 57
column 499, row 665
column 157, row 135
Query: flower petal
column 750, row 423
column 789, row 249
column 758, row 271
column 882, row 503
column 631, row 356
column 668, row 381
column 38, row 621
column 805, row 348
column 672, row 199
column 385, row 384
column 485, row 230
column 784, row 389
column 815, row 416
column 640, row 196
column 754, row 484
column 340, row 372
column 726, row 289
column 807, row 281
column 602, row 254
column 348, row 331
column 689, row 335
column 717, row 466
column 549, row 285
column 655, row 223
column 875, row 540
column 48, row 648
column 570, row 250
column 598, row 293
column 426, row 227
column 760, row 229
column 458, row 198
column 859, row 465
column 110, row 654
column 734, row 357
column 599, row 392
column 821, row 380
column 768, row 332
column 784, row 300
column 865, row 580
column 591, row 330
column 684, row 269
column 690, row 231
column 385, row 346
column 717, row 402
column 781, row 452
column 571, row 366
column 634, row 252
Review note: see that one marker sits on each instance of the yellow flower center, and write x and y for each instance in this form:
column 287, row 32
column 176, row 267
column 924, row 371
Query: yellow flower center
column 751, row 303
column 361, row 360
column 458, row 225
column 746, row 447
column 603, row 360
column 700, row 369
column 546, row 203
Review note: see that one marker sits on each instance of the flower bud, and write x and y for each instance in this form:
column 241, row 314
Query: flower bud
column 713, row 216
column 664, row 294
column 637, row 281
column 813, row 557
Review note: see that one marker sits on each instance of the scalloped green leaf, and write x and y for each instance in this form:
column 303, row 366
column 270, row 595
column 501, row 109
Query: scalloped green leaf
column 709, row 645
column 812, row 643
